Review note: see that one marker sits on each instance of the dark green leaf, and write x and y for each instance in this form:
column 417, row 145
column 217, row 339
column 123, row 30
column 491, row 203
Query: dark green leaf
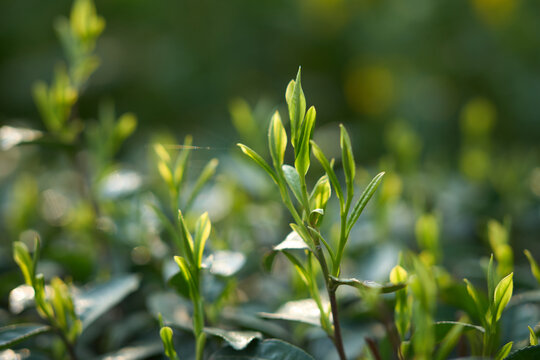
column 265, row 350
column 94, row 302
column 369, row 285
column 238, row 340
column 136, row 351
column 13, row 334
column 528, row 353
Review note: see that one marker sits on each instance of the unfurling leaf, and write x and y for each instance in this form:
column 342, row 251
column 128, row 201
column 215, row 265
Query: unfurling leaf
column 277, row 139
column 296, row 102
column 348, row 160
column 503, row 293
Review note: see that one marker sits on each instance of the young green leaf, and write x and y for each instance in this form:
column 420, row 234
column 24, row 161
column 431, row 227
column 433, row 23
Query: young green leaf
column 503, row 293
column 277, row 140
column 504, row 351
column 320, row 194
column 180, row 167
column 202, row 232
column 23, row 259
column 188, row 240
column 363, row 200
column 534, row 266
column 302, row 160
column 186, row 271
column 208, row 171
column 347, row 158
column 259, row 160
column 473, row 293
column 533, row 339
column 491, row 279
column 329, row 171
column 166, row 334
column 296, row 102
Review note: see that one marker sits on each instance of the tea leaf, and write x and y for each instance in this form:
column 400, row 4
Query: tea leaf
column 238, row 340
column 534, row 266
column 368, row 285
column 293, row 179
column 166, row 335
column 347, row 158
column 527, row 353
column 296, row 102
column 504, row 351
column 329, row 171
column 259, row 160
column 302, row 160
column 202, row 232
column 363, row 200
column 320, row 194
column 225, row 262
column 23, row 259
column 503, row 293
column 266, row 350
column 305, row 311
column 293, row 241
column 206, row 174
column 277, row 140
column 13, row 334
column 533, row 339
column 137, row 351
column 94, row 302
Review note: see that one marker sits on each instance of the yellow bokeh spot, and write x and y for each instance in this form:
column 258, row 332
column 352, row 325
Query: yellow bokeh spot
column 475, row 164
column 495, row 12
column 370, row 89
column 478, row 117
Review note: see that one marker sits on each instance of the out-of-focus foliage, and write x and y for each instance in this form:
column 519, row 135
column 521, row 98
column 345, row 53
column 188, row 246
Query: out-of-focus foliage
column 440, row 95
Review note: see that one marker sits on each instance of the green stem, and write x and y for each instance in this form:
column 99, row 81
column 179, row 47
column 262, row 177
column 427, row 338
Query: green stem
column 331, row 290
column 341, row 245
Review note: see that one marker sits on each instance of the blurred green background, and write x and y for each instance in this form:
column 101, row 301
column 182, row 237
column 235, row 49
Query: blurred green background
column 442, row 94
column 177, row 64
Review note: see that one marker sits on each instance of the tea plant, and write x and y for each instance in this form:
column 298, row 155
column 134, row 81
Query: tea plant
column 310, row 209
column 197, row 302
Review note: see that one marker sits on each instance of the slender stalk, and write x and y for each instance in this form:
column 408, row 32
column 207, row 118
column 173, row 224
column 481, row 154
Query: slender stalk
column 338, row 339
column 69, row 346
column 331, row 290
